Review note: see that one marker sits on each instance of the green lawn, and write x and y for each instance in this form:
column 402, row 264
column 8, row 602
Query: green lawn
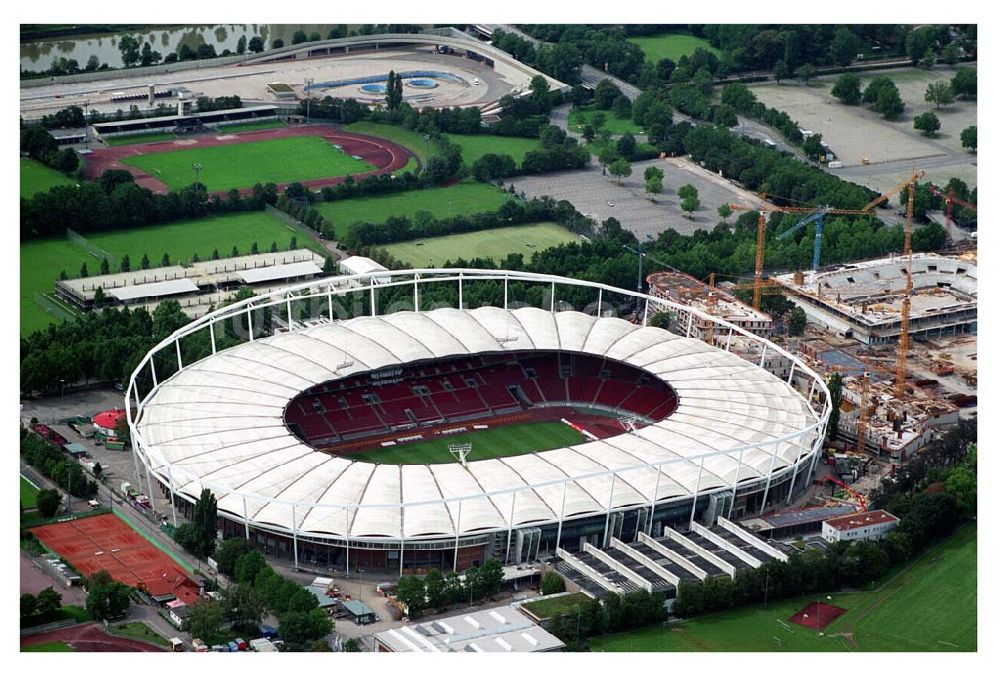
column 241, row 165
column 29, row 494
column 137, row 630
column 930, row 606
column 546, row 607
column 42, row 260
column 474, row 146
column 133, row 139
column 579, row 117
column 494, row 243
column 37, row 178
column 509, row 440
column 407, row 138
column 462, row 198
column 671, row 46
column 46, row 647
column 251, row 126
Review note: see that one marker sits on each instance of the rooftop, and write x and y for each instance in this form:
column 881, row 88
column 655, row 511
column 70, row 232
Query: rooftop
column 862, row 519
column 501, row 630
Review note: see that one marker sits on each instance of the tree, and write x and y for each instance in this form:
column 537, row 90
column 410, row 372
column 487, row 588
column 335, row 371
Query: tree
column 927, row 123
column 950, row 55
column 98, row 470
column 552, row 583
column 622, row 107
column 204, row 524
column 144, row 263
column 299, row 37
column 48, row 602
column 725, row 115
column 231, row 550
column 844, row 47
column 105, row 266
column 606, row 157
column 588, row 133
column 412, row 594
column 725, row 211
column 626, row 146
column 797, row 321
column 206, row 622
column 781, row 71
column 48, row 502
column 129, row 48
column 106, row 597
column 653, row 177
column 29, row 605
column 241, row 45
column 277, row 44
column 256, row 44
column 490, row 578
column 847, row 89
column 605, row 94
column 969, row 138
column 435, row 589
column 835, row 384
column 248, row 565
column 889, row 103
column 393, row 91
column 351, row 646
column 165, row 261
column 963, row 84
column 805, row 72
column 83, row 270
column 149, row 56
column 300, row 629
column 620, row 168
column 939, row 94
column 813, row 146
column 243, row 607
column 690, row 205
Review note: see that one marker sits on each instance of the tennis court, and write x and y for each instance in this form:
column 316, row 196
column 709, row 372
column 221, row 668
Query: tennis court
column 106, row 542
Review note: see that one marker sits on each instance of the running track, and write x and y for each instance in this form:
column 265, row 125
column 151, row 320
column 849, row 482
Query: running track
column 386, row 156
column 89, row 637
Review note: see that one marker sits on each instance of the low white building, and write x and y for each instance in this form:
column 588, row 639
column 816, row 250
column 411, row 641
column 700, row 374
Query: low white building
column 499, row 630
column 865, row 526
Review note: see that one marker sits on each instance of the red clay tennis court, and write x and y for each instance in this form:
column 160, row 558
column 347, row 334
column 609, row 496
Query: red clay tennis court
column 817, row 615
column 106, row 542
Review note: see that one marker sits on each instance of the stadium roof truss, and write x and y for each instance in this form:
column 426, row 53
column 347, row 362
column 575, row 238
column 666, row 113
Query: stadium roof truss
column 218, row 423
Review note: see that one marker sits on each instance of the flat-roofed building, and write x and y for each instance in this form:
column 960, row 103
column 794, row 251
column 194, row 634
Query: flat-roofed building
column 499, row 630
column 865, row 526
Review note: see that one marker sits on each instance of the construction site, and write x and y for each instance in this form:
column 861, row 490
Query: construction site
column 899, row 331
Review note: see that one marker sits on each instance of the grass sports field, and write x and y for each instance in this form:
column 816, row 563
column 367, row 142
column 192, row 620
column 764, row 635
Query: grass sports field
column 508, row 440
column 579, row 117
column 49, row 647
column 462, row 198
column 476, row 146
column 29, row 494
column 242, row 165
column 494, row 243
column 671, row 46
column 42, row 260
column 930, row 606
column 37, row 178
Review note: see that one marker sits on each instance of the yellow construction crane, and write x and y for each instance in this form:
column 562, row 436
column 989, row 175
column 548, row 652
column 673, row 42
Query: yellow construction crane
column 910, row 185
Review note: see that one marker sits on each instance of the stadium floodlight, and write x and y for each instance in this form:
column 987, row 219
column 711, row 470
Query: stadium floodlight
column 461, row 452
column 627, row 422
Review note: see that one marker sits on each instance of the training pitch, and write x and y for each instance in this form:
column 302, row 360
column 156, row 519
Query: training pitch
column 671, row 46
column 496, row 442
column 244, row 164
column 495, row 243
column 930, row 606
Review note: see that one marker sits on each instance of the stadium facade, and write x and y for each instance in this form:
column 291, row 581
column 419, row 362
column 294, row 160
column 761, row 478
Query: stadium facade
column 704, row 432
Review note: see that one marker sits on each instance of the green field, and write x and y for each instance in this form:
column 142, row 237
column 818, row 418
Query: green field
column 474, row 146
column 508, row 440
column 495, row 243
column 29, row 494
column 133, row 139
column 251, row 126
column 462, row 198
column 42, row 260
column 671, row 46
column 48, row 647
column 579, row 117
column 137, row 630
column 548, row 607
column 930, row 606
column 37, row 178
column 241, row 165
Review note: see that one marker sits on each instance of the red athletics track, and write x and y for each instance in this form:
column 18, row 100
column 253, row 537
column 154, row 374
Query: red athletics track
column 105, row 542
column 386, row 156
column 89, row 637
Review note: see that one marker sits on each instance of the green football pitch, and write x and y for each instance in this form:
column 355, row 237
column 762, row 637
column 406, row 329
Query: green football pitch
column 671, row 46
column 37, row 178
column 457, row 200
column 42, row 260
column 241, row 165
column 495, row 243
column 29, row 494
column 508, row 440
column 930, row 606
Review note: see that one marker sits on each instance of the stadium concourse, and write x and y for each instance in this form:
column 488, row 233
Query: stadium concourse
column 702, row 429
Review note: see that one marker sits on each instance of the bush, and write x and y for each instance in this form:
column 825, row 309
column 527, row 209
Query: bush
column 552, row 583
column 48, row 502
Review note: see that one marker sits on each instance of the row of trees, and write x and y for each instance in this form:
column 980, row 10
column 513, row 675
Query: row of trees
column 52, row 462
column 38, row 144
column 35, row 609
column 114, row 202
column 739, row 97
column 436, row 591
column 616, row 613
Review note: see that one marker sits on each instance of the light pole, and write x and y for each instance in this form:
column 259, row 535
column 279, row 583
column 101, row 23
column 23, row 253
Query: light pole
column 305, row 90
column 197, row 167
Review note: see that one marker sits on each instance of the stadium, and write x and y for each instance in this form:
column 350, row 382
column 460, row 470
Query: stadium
column 668, row 429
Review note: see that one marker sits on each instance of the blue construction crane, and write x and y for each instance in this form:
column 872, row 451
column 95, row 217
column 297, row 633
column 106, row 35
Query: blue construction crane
column 817, row 218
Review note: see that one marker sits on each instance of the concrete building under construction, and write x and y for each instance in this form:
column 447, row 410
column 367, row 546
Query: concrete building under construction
column 863, row 300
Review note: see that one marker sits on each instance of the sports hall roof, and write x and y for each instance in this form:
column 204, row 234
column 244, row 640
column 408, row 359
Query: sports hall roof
column 220, row 421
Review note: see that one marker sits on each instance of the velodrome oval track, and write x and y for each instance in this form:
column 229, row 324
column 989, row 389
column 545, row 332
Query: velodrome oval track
column 385, row 155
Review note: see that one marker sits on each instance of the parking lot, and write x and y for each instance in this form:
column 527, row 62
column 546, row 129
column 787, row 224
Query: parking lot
column 600, row 196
